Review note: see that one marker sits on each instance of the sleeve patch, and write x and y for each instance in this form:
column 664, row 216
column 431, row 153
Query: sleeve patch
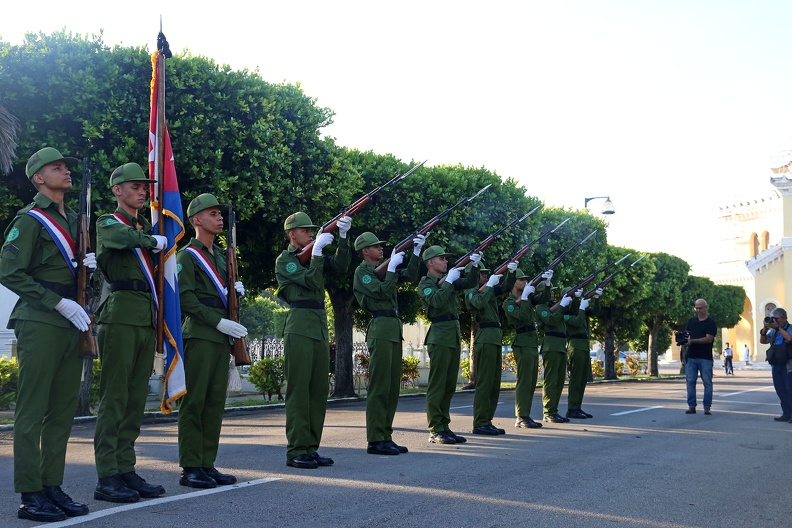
column 12, row 235
column 366, row 279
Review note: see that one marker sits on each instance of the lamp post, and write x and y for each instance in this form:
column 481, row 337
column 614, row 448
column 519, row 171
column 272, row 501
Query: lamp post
column 607, row 207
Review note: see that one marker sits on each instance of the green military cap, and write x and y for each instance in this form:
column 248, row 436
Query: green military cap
column 367, row 239
column 43, row 157
column 202, row 202
column 298, row 219
column 129, row 172
column 434, row 251
column 520, row 275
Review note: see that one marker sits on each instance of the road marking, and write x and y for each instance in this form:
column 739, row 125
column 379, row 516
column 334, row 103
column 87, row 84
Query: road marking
column 743, row 392
column 638, row 410
column 460, row 407
column 146, row 503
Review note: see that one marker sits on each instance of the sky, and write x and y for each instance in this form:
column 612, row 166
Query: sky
column 671, row 108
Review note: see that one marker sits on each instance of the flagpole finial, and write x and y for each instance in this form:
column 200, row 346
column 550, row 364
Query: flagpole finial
column 162, row 43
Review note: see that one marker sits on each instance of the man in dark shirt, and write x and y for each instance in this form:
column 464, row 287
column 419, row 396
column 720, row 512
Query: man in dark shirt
column 698, row 357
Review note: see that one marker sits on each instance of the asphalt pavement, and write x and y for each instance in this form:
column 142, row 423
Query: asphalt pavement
column 641, row 461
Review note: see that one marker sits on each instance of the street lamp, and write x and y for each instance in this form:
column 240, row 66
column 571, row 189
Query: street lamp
column 607, row 207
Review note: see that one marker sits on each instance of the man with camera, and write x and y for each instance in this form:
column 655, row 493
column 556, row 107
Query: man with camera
column 776, row 333
column 697, row 358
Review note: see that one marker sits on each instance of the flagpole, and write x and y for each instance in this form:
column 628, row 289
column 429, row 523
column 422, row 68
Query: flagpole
column 160, row 177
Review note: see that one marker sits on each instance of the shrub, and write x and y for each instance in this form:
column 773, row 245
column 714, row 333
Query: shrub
column 410, row 369
column 633, row 365
column 9, row 376
column 509, row 363
column 268, row 376
column 598, row 368
column 465, row 364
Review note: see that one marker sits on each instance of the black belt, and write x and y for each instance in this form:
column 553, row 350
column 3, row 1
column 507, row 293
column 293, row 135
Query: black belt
column 131, row 285
column 579, row 336
column 491, row 324
column 526, row 328
column 64, row 290
column 212, row 302
column 555, row 334
column 385, row 313
column 311, row 305
column 446, row 317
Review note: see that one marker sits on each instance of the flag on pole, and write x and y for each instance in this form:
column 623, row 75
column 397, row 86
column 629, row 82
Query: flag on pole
column 167, row 208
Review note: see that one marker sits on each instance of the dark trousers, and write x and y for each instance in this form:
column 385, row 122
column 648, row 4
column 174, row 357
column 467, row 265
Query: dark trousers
column 385, row 370
column 782, row 382
column 307, row 382
column 727, row 365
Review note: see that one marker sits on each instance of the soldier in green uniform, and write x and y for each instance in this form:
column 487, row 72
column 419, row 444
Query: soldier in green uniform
column 383, row 337
column 554, row 355
column 519, row 308
column 208, row 335
column 126, row 318
column 444, row 339
column 578, row 347
column 306, row 339
column 487, row 350
column 37, row 263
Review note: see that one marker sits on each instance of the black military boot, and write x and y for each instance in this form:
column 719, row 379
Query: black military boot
column 57, row 497
column 37, row 507
column 111, row 489
column 195, row 477
column 222, row 479
column 135, row 482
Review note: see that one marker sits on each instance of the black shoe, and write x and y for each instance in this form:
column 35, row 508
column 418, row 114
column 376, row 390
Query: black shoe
column 587, row 415
column 555, row 418
column 691, row 410
column 322, row 461
column 302, row 462
column 485, row 430
column 577, row 414
column 57, row 497
column 534, row 423
column 112, row 489
column 195, row 477
column 37, row 507
column 401, row 449
column 381, row 448
column 497, row 429
column 526, row 422
column 458, row 439
column 782, row 418
column 441, row 438
column 707, row 410
column 222, row 479
column 135, row 482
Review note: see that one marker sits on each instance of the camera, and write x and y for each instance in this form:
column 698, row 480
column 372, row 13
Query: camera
column 770, row 320
column 681, row 338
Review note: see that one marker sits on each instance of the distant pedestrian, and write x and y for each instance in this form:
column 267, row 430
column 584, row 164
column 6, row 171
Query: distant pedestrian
column 728, row 353
column 747, row 356
column 698, row 358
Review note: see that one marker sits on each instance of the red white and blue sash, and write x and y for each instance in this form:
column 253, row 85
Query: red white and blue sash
column 144, row 261
column 60, row 236
column 210, row 270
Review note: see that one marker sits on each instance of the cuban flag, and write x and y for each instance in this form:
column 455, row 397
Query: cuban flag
column 167, row 208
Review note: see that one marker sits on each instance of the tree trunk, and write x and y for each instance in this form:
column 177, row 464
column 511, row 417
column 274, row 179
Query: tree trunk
column 610, row 359
column 652, row 351
column 84, row 398
column 343, row 302
column 471, row 384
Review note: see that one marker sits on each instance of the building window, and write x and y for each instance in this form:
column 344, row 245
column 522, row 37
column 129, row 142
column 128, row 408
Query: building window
column 754, row 245
column 765, row 240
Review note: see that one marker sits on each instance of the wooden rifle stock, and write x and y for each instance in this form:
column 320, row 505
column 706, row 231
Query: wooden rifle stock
column 87, row 344
column 304, row 255
column 239, row 349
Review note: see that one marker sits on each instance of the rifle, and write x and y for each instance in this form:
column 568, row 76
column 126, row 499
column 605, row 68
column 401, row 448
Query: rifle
column 520, row 253
column 536, row 280
column 87, row 345
column 382, row 268
column 607, row 280
column 239, row 349
column 487, row 242
column 585, row 282
column 304, row 255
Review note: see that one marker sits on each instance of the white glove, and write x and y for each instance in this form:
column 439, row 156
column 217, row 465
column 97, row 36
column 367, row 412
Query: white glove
column 512, row 267
column 89, row 261
column 231, row 328
column 162, row 243
column 418, row 243
column 493, row 280
column 584, row 304
column 547, row 276
column 74, row 313
column 395, row 260
column 475, row 258
column 453, row 274
column 324, row 239
column 527, row 291
column 240, row 288
column 598, row 293
column 578, row 292
column 565, row 301
column 344, row 223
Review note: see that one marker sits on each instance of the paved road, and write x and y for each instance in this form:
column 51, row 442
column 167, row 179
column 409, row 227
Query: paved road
column 641, row 462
